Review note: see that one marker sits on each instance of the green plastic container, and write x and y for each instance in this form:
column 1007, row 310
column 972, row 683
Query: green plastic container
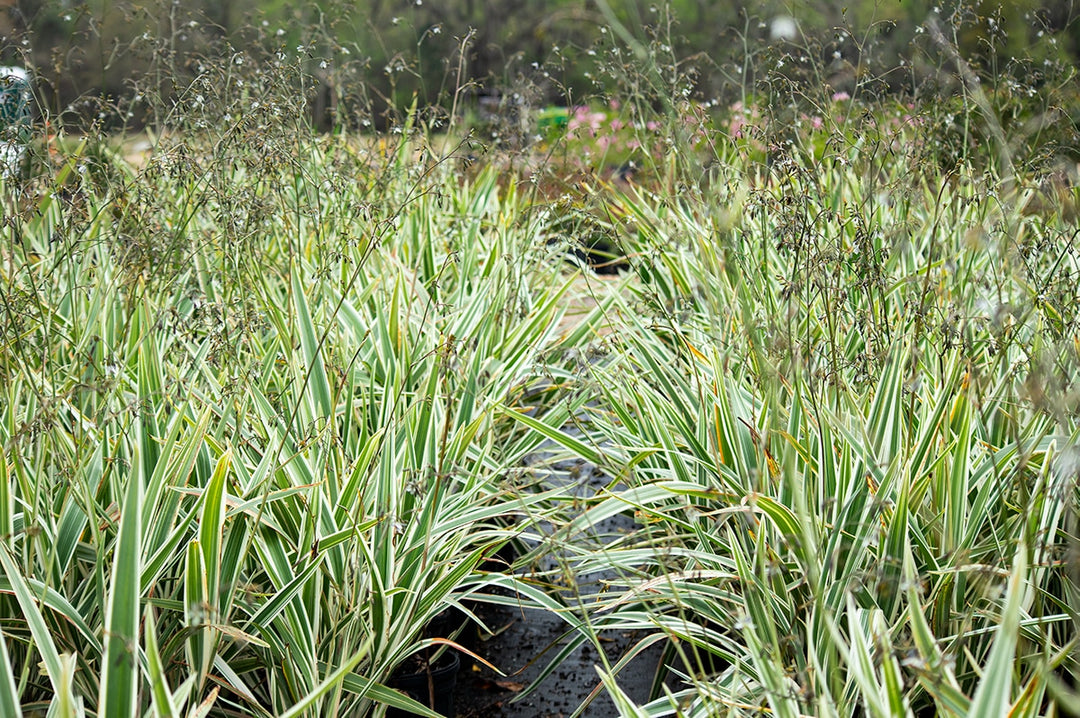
column 552, row 120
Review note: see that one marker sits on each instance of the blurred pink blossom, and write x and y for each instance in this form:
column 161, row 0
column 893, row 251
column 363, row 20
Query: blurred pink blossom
column 583, row 118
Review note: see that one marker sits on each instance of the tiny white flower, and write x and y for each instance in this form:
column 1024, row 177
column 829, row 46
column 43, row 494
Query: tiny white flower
column 783, row 27
column 743, row 623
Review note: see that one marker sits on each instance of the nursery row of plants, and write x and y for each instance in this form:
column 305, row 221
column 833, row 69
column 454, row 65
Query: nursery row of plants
column 268, row 399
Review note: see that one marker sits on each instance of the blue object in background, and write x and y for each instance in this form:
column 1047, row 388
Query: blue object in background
column 14, row 119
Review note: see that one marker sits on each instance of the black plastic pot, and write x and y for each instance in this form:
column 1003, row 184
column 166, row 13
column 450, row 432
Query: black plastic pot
column 448, row 624
column 432, row 687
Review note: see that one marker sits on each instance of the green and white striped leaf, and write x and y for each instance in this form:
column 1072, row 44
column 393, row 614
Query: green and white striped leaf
column 120, row 673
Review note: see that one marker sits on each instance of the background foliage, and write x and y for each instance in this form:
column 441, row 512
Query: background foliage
column 360, row 58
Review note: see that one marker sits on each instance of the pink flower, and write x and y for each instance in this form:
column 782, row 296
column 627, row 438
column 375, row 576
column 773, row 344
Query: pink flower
column 652, row 125
column 817, row 122
column 840, row 96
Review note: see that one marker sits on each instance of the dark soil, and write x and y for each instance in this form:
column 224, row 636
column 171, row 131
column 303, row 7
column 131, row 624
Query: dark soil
column 525, row 641
column 516, row 651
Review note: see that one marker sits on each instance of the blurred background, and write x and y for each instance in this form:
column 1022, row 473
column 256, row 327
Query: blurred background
column 129, row 64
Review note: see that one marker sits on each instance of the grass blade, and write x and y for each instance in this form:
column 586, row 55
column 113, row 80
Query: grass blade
column 992, row 697
column 211, row 525
column 327, row 684
column 50, row 657
column 120, row 674
column 579, row 448
column 159, row 688
column 309, row 342
column 7, row 506
column 9, row 693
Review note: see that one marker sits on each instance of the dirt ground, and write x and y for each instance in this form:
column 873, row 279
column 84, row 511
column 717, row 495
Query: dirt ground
column 481, row 692
column 525, row 641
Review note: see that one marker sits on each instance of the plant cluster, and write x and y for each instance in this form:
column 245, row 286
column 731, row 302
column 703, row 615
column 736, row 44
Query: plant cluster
column 273, row 400
column 251, row 441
